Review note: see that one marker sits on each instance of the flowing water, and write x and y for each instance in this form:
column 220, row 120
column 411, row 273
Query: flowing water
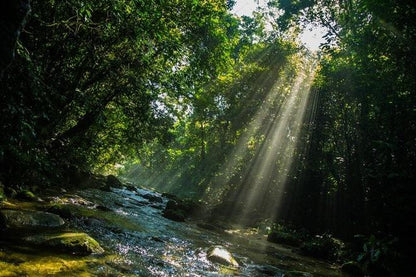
column 139, row 241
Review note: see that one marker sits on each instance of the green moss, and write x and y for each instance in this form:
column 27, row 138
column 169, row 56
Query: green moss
column 72, row 243
column 40, row 263
column 26, row 195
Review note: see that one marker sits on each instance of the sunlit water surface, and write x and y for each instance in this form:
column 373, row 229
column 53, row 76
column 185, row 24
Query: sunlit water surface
column 140, row 242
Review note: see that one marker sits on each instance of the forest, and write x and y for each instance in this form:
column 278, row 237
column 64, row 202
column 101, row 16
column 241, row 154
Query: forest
column 176, row 138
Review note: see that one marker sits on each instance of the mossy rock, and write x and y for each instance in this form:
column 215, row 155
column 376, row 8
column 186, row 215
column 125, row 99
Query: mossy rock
column 218, row 254
column 73, row 243
column 65, row 211
column 13, row 219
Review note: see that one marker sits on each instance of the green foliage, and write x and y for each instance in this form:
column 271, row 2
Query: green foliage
column 323, row 247
column 210, row 123
column 92, row 80
column 288, row 238
column 379, row 256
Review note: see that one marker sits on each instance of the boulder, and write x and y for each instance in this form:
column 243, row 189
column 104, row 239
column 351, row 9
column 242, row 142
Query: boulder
column 178, row 210
column 174, row 214
column 13, row 219
column 218, row 254
column 64, row 211
column 113, row 182
column 72, row 243
column 152, row 198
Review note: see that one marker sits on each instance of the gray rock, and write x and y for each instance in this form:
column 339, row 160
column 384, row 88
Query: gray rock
column 218, row 254
column 13, row 219
column 152, row 198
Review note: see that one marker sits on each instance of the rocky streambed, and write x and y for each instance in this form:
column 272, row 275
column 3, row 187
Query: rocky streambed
column 134, row 232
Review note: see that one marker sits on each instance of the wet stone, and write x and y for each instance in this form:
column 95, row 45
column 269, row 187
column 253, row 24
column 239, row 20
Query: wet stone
column 13, row 219
column 65, row 211
column 72, row 243
column 152, row 198
column 218, row 254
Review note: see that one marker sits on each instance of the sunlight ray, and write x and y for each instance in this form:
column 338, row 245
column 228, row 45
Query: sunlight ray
column 279, row 122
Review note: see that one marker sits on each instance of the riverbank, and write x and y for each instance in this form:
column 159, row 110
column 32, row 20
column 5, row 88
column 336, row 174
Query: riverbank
column 132, row 227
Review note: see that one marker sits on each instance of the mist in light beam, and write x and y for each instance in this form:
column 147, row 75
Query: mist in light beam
column 278, row 124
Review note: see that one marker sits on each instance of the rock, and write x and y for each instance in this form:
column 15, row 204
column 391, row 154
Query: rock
column 174, row 214
column 65, row 211
column 12, row 219
column 178, row 210
column 283, row 238
column 156, row 206
column 152, row 198
column 73, row 243
column 157, row 239
column 352, row 268
column 131, row 187
column 218, row 254
column 170, row 196
column 114, row 182
column 92, row 222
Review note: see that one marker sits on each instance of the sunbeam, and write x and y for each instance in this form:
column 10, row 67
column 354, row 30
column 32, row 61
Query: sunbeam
column 279, row 122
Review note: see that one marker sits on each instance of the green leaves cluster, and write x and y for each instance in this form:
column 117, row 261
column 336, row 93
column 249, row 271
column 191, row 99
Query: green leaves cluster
column 90, row 80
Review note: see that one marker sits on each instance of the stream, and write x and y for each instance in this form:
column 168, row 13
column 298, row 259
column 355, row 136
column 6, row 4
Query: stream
column 139, row 241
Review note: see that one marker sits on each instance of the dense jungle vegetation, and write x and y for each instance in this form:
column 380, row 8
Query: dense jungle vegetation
column 171, row 95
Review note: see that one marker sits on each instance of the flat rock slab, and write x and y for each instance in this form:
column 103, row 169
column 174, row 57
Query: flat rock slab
column 73, row 243
column 219, row 254
column 14, row 219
